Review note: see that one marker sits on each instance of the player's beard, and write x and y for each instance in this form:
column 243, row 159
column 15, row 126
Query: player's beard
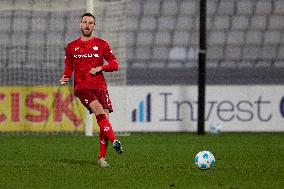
column 86, row 33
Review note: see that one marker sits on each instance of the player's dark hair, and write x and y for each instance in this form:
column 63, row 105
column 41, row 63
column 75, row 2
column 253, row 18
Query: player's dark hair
column 88, row 14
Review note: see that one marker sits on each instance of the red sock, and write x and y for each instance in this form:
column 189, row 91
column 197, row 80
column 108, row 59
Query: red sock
column 103, row 144
column 105, row 127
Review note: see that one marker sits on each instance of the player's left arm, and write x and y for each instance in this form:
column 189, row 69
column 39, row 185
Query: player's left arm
column 112, row 63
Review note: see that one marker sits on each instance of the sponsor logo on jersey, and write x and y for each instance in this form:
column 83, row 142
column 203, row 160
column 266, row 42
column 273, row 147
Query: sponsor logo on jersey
column 86, row 55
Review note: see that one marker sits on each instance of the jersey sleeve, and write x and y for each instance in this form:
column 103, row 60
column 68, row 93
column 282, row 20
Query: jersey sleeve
column 110, row 58
column 107, row 52
column 68, row 63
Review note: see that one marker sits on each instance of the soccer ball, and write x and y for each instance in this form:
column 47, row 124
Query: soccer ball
column 215, row 128
column 204, row 160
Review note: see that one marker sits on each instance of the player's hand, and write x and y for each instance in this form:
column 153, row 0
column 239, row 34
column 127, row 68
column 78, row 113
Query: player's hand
column 64, row 80
column 95, row 70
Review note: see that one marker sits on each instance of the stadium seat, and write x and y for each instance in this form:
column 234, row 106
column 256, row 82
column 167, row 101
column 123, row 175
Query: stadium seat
column 175, row 64
column 233, row 53
column 211, row 7
column 221, row 22
column 160, row 53
column 4, row 38
column 280, row 55
column 169, row 7
column 272, row 37
column 130, row 42
column 235, row 37
column 263, row 7
column 215, row 53
column 269, row 52
column 189, row 8
column 5, row 23
column 163, row 38
column 143, row 53
column 132, row 23
column 278, row 7
column 18, row 39
column 279, row 64
column 148, row 23
column 226, row 64
column 38, row 24
column 276, row 22
column 166, row 23
column 181, row 38
column 258, row 22
column 245, row 7
column 239, row 22
column 225, row 8
column 184, row 23
column 253, row 37
column 216, row 38
column 151, row 8
column 251, row 52
column 55, row 38
column 192, row 54
column 20, row 24
column 145, row 38
column 155, row 64
column 134, row 8
column 177, row 53
column 36, row 39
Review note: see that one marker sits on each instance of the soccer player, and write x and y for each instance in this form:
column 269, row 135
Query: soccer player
column 85, row 57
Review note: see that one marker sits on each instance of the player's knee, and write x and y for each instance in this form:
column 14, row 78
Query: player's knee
column 96, row 107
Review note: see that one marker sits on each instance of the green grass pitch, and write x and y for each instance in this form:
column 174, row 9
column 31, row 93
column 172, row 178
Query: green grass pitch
column 150, row 160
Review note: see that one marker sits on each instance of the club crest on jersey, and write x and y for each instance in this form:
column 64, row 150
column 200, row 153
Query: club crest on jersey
column 76, row 48
column 96, row 48
column 86, row 55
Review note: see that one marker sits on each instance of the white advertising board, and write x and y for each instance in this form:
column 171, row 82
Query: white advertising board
column 174, row 108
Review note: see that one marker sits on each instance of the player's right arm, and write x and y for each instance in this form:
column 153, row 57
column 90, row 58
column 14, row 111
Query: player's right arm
column 68, row 70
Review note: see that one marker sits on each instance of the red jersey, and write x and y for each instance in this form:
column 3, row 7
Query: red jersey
column 81, row 56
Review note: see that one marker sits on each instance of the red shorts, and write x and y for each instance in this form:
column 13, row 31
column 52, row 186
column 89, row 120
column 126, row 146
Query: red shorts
column 86, row 96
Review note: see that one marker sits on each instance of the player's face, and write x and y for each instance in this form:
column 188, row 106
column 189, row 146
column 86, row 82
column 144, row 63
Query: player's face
column 87, row 25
